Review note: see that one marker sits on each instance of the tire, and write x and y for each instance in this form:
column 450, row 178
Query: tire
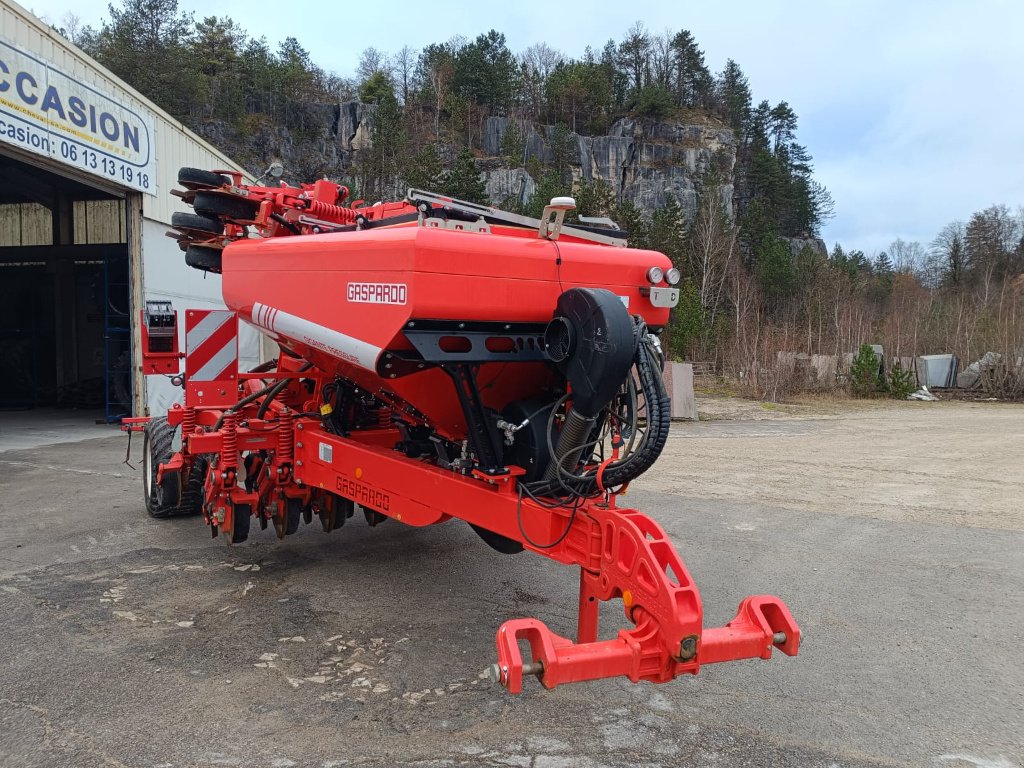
column 228, row 206
column 241, row 517
column 293, row 508
column 190, row 223
column 203, row 258
column 192, row 494
column 196, row 178
column 171, row 498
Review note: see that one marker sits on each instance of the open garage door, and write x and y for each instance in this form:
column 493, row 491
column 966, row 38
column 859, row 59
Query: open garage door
column 65, row 298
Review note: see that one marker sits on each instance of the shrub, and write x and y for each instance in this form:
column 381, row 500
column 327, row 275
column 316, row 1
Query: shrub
column 900, row 382
column 865, row 374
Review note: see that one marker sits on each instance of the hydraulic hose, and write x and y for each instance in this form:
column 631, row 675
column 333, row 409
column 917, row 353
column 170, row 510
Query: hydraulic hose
column 271, row 391
column 636, row 462
column 277, row 389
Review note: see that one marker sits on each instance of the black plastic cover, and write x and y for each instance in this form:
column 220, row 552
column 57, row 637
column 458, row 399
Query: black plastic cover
column 602, row 346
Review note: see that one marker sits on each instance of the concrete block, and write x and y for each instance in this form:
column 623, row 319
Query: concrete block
column 679, row 383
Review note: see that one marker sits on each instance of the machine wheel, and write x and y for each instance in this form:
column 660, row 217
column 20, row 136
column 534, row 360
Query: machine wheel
column 192, row 493
column 201, row 257
column 241, row 516
column 294, row 516
column 196, row 178
column 193, row 224
column 215, row 204
column 162, row 499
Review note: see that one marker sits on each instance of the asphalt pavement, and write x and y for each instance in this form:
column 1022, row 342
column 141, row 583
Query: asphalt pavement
column 128, row 641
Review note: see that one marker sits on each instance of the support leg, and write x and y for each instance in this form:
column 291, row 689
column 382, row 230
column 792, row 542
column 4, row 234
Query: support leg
column 590, row 610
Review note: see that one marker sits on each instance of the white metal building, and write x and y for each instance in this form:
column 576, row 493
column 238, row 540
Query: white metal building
column 86, row 169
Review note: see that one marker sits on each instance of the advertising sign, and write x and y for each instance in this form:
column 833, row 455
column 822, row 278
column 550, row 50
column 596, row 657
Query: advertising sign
column 49, row 113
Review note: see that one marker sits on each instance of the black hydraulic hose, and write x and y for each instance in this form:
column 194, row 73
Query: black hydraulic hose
column 243, row 402
column 634, row 463
column 659, row 422
column 264, row 367
column 277, row 389
column 267, row 390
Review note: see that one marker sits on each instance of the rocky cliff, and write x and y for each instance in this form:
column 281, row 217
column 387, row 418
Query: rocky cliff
column 643, row 161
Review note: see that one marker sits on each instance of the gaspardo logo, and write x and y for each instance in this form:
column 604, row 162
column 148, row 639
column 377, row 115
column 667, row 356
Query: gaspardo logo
column 377, row 293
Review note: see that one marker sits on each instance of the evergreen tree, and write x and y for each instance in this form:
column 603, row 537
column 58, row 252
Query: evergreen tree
column 513, row 144
column 733, row 94
column 463, row 180
column 424, row 170
column 145, row 42
column 693, row 84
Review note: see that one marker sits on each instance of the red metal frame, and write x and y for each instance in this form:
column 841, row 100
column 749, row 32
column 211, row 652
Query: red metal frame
column 270, row 455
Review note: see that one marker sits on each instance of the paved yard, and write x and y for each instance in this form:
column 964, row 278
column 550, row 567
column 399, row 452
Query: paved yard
column 893, row 532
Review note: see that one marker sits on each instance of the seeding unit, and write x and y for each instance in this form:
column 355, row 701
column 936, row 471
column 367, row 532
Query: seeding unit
column 439, row 359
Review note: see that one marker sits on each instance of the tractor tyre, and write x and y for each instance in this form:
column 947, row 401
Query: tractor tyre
column 203, row 258
column 192, row 493
column 196, row 178
column 216, row 204
column 194, row 225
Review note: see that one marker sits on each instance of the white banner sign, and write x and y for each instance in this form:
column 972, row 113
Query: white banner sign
column 49, row 113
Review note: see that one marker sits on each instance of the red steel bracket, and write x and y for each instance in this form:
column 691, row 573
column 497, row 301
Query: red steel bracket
column 639, row 564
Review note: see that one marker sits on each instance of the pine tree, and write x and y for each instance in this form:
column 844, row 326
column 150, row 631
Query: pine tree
column 733, row 93
column 424, row 170
column 463, row 180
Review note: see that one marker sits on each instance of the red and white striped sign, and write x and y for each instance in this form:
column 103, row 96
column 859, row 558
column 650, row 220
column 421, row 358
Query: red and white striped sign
column 211, row 345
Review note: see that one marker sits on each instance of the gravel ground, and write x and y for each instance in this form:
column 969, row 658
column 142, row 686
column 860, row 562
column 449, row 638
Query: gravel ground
column 893, row 532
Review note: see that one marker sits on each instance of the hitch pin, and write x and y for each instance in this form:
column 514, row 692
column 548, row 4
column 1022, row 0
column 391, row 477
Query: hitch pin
column 497, row 674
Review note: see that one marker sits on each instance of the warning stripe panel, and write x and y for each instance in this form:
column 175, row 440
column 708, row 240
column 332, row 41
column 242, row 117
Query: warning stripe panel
column 211, row 345
column 199, row 356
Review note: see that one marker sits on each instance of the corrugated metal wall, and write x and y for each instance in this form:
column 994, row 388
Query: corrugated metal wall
column 95, row 221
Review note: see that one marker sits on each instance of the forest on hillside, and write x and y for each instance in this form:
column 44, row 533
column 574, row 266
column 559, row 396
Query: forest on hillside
column 753, row 285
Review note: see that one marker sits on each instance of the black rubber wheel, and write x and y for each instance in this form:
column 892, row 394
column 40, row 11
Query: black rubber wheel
column 228, row 206
column 294, row 516
column 192, row 493
column 241, row 516
column 170, row 498
column 190, row 223
column 196, row 178
column 203, row 258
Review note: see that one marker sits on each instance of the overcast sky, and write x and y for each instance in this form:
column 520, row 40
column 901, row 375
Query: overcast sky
column 913, row 111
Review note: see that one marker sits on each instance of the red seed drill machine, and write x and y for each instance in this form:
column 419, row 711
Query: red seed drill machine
column 439, row 359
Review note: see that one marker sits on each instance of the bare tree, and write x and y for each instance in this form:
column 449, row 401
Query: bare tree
column 371, row 61
column 712, row 251
column 906, row 257
column 403, row 67
column 662, row 58
column 947, row 257
column 537, row 62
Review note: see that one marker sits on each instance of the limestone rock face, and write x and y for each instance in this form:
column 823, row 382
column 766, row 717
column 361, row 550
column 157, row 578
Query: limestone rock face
column 644, row 161
column 509, row 184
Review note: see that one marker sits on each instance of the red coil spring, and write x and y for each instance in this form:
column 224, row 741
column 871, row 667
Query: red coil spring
column 188, row 422
column 384, row 416
column 333, row 212
column 229, row 441
column 286, row 436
